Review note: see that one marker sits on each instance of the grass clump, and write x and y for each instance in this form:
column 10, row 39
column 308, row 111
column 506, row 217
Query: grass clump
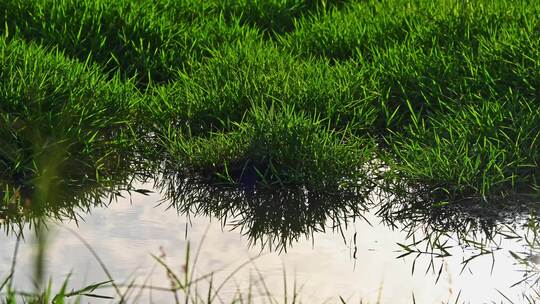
column 277, row 145
column 226, row 87
column 62, row 122
column 296, row 148
column 473, row 150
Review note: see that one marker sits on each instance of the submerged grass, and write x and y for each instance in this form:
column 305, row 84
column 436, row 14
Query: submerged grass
column 297, row 92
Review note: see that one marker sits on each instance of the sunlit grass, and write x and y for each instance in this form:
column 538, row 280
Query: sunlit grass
column 444, row 94
column 302, row 106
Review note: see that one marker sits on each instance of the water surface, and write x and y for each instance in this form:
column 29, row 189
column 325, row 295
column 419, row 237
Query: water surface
column 357, row 262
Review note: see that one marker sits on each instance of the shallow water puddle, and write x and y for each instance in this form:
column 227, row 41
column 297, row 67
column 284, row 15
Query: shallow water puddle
column 330, row 265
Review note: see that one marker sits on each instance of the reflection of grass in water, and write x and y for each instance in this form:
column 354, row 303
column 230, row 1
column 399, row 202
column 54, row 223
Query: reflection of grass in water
column 529, row 260
column 435, row 231
column 184, row 285
column 282, row 216
column 276, row 93
column 269, row 216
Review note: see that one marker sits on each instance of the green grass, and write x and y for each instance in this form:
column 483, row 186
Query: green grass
column 65, row 129
column 443, row 95
column 304, row 107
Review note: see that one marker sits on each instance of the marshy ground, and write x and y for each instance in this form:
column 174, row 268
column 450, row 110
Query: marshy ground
column 304, row 107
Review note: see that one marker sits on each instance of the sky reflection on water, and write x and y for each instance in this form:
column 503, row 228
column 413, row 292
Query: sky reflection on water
column 126, row 234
